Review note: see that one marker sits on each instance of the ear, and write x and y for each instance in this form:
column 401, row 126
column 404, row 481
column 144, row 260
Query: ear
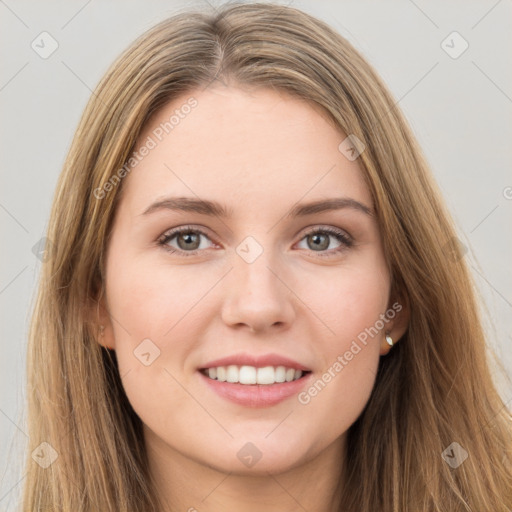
column 398, row 313
column 101, row 322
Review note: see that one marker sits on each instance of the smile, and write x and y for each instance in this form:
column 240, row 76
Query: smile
column 250, row 375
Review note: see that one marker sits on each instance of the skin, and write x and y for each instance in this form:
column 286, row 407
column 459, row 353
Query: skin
column 258, row 152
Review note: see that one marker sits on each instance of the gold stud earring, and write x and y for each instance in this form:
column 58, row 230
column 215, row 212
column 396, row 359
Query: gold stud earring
column 102, row 333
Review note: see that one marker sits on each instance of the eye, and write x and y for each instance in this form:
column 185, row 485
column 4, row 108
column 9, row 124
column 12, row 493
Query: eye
column 187, row 238
column 319, row 240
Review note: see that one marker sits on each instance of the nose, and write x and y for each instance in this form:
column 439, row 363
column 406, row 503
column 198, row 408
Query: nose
column 257, row 296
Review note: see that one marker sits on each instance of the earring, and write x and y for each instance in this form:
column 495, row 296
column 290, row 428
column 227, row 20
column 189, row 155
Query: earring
column 386, row 345
column 102, row 333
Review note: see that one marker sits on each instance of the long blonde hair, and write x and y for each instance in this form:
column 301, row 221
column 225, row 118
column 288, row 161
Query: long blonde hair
column 433, row 389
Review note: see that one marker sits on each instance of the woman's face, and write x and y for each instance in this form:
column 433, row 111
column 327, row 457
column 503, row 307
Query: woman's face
column 257, row 281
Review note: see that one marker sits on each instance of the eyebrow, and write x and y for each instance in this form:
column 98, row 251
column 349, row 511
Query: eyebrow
column 213, row 208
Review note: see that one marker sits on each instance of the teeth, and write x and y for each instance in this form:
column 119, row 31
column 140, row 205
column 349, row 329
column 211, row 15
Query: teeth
column 232, row 374
column 253, row 375
column 280, row 374
column 247, row 375
column 266, row 375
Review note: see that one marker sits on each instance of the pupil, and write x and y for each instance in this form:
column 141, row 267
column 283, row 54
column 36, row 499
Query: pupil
column 317, row 238
column 188, row 237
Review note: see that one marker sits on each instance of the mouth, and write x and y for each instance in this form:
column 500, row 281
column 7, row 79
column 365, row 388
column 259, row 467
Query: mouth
column 250, row 380
column 252, row 375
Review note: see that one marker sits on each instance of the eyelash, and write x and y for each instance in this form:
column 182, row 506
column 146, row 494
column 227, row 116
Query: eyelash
column 344, row 239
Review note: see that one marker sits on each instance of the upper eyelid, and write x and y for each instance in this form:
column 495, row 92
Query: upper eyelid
column 330, row 229
column 184, row 229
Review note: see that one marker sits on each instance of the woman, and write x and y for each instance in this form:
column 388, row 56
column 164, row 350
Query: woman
column 317, row 349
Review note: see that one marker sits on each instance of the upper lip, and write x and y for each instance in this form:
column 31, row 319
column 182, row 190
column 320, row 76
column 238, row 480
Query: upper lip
column 257, row 361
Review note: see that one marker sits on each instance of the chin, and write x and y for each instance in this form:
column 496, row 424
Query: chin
column 258, row 457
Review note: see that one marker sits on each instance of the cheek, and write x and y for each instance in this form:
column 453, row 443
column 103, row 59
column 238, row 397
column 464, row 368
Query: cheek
column 158, row 315
column 352, row 303
column 153, row 321
column 151, row 300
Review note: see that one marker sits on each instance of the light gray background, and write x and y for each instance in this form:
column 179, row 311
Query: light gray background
column 460, row 110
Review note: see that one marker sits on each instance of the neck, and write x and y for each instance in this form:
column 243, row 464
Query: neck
column 187, row 485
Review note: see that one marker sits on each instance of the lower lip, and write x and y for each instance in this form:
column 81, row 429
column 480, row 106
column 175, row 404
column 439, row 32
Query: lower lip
column 256, row 395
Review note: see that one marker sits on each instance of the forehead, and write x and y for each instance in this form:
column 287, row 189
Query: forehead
column 256, row 147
